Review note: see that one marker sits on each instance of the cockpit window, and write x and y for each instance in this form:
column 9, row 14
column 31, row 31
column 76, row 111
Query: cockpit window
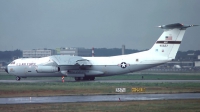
column 12, row 62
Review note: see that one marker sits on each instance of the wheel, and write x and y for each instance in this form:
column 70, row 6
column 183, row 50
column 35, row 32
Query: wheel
column 18, row 78
column 88, row 78
column 85, row 78
column 77, row 78
column 92, row 78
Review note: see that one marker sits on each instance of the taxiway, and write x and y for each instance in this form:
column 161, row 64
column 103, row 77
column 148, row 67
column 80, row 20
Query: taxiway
column 98, row 98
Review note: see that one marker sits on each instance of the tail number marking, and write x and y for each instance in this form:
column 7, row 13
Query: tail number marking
column 164, row 45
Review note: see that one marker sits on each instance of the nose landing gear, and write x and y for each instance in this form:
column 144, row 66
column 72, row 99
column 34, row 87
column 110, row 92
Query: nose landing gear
column 18, row 78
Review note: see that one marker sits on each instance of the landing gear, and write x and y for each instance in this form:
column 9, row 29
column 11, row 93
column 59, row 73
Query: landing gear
column 92, row 78
column 84, row 78
column 18, row 78
column 89, row 78
column 77, row 78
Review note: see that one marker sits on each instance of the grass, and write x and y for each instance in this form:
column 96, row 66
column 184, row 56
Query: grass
column 88, row 88
column 142, row 106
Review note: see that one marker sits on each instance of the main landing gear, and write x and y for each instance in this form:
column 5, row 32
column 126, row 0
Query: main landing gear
column 18, row 78
column 84, row 78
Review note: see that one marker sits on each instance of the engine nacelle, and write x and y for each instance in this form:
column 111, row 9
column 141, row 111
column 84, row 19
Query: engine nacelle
column 47, row 69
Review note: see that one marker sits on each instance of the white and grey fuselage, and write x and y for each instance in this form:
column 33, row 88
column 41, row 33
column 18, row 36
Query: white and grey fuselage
column 96, row 66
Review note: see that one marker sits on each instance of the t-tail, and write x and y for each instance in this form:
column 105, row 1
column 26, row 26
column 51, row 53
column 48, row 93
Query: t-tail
column 169, row 42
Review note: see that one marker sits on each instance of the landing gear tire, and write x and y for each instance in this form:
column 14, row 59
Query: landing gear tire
column 92, row 78
column 84, row 78
column 18, row 78
column 89, row 78
column 77, row 78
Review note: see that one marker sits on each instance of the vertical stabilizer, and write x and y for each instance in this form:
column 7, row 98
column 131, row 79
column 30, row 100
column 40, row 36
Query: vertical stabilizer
column 169, row 42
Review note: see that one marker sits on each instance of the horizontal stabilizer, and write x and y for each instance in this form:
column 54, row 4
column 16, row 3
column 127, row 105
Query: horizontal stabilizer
column 175, row 25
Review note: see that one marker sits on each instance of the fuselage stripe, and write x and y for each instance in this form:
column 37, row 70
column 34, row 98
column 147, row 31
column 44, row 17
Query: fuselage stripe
column 168, row 42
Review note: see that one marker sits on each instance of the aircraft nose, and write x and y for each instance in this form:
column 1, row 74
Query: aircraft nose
column 6, row 69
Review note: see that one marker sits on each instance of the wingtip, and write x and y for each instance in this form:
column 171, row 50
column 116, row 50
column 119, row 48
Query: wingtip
column 158, row 26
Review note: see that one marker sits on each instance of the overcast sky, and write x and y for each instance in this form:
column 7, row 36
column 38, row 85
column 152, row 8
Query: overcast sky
column 33, row 24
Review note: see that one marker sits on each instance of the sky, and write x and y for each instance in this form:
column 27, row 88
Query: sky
column 35, row 24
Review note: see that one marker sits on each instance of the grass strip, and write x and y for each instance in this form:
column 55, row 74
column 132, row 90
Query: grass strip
column 131, row 106
column 88, row 88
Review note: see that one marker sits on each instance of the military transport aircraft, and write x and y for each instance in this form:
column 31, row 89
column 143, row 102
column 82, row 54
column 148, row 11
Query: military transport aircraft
column 87, row 68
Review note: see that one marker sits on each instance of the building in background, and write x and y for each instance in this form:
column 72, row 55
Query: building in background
column 67, row 51
column 74, row 51
column 197, row 62
column 37, row 53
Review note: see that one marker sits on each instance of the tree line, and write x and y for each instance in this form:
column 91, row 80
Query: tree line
column 10, row 55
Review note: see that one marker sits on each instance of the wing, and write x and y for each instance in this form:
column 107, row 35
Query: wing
column 66, row 62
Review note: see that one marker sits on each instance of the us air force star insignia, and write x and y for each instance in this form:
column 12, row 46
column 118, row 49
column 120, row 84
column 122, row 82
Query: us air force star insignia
column 123, row 65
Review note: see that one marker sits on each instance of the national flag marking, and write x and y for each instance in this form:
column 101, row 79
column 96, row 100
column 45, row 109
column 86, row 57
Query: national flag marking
column 168, row 38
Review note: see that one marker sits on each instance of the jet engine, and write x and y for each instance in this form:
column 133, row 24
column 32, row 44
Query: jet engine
column 47, row 69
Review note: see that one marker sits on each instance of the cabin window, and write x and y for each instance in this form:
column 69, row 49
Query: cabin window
column 12, row 62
